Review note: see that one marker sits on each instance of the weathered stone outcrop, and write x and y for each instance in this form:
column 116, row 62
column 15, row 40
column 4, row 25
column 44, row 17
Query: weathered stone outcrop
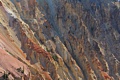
column 59, row 40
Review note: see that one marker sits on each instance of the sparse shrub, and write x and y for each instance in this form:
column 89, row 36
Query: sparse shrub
column 8, row 52
column 55, row 57
column 53, row 39
column 48, row 50
column 5, row 76
column 21, row 70
column 92, row 30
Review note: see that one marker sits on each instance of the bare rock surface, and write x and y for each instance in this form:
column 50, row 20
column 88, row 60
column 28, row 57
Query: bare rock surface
column 59, row 40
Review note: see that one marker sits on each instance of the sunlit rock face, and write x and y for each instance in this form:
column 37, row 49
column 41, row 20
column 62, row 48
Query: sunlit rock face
column 59, row 40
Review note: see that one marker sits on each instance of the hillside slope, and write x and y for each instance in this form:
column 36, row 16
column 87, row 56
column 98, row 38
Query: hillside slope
column 59, row 40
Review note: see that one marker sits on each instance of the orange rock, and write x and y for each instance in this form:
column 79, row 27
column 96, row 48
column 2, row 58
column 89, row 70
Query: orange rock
column 105, row 75
column 47, row 76
column 38, row 49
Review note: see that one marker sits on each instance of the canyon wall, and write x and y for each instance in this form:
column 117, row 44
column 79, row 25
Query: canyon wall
column 59, row 40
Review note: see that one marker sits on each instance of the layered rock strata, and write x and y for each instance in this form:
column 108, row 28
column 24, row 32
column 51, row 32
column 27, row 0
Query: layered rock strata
column 59, row 40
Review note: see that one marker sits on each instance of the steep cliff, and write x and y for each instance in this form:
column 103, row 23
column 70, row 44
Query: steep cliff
column 59, row 40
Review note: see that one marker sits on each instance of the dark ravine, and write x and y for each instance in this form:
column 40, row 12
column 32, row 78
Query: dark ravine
column 59, row 40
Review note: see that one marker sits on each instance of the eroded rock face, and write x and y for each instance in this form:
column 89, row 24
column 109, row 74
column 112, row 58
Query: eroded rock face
column 59, row 40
